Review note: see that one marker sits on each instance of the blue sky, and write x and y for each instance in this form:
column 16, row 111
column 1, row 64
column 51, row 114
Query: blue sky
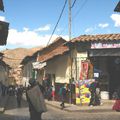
column 32, row 21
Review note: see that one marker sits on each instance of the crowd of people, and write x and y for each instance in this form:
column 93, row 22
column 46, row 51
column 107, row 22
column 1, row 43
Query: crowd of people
column 37, row 110
column 13, row 90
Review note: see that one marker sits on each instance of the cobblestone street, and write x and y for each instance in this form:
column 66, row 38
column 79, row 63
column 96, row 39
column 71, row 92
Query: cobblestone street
column 14, row 113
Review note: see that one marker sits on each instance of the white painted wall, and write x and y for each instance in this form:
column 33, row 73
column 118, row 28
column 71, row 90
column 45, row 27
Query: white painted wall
column 60, row 67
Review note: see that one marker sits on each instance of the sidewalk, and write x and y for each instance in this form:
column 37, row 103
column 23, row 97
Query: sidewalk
column 106, row 106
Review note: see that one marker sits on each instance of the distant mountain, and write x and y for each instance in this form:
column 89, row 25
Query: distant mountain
column 13, row 57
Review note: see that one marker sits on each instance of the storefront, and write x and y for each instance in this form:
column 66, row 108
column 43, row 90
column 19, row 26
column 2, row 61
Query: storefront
column 105, row 57
column 102, row 63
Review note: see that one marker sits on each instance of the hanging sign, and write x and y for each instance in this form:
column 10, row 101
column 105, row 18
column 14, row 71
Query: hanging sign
column 38, row 65
column 105, row 45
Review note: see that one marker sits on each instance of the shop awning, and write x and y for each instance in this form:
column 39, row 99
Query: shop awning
column 104, row 52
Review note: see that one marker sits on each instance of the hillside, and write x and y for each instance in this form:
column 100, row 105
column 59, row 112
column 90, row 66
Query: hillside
column 13, row 57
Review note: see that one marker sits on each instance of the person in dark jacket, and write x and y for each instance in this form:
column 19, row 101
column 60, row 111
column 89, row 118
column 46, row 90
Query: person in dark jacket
column 63, row 93
column 34, row 115
column 19, row 93
column 92, row 90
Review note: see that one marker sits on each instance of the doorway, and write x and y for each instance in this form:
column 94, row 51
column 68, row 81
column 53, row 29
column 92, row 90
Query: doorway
column 113, row 64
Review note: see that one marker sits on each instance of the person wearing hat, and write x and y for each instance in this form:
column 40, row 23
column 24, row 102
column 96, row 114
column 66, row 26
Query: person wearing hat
column 34, row 115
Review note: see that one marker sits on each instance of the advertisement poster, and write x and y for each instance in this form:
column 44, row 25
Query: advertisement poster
column 84, row 70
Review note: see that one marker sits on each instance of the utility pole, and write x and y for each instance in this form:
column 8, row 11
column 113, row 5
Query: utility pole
column 69, row 22
column 69, row 28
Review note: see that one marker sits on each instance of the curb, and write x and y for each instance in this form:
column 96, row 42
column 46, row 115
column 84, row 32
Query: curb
column 93, row 109
column 53, row 105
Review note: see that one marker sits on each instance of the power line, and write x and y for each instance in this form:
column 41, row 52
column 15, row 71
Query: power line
column 73, row 4
column 66, row 24
column 83, row 4
column 81, row 7
column 57, row 21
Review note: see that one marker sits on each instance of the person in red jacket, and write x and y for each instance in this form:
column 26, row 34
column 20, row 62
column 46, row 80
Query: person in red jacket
column 116, row 105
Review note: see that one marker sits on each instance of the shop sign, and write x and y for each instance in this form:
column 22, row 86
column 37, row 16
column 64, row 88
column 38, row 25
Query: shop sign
column 38, row 65
column 105, row 45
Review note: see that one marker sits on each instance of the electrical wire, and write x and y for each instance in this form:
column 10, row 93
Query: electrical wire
column 78, row 11
column 83, row 4
column 57, row 21
column 73, row 4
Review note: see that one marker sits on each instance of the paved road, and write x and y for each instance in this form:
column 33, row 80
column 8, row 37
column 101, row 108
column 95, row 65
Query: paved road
column 14, row 113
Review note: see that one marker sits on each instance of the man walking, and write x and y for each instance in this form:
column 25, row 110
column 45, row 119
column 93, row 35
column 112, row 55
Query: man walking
column 34, row 101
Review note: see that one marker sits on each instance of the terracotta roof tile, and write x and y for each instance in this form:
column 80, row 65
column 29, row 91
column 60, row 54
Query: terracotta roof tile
column 101, row 37
column 58, row 51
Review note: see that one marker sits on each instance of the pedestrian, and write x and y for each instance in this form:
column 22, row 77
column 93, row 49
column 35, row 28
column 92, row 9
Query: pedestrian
column 92, row 90
column 115, row 95
column 49, row 93
column 116, row 105
column 63, row 93
column 97, row 93
column 3, row 87
column 35, row 114
column 19, row 93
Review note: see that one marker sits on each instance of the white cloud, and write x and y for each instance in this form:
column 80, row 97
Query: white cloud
column 89, row 30
column 27, row 38
column 116, row 19
column 2, row 18
column 26, row 29
column 44, row 28
column 103, row 25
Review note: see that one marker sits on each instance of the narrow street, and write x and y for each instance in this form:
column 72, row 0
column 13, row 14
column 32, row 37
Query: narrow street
column 14, row 113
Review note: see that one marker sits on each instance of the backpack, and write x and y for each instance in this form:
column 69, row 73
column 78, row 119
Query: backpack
column 62, row 91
